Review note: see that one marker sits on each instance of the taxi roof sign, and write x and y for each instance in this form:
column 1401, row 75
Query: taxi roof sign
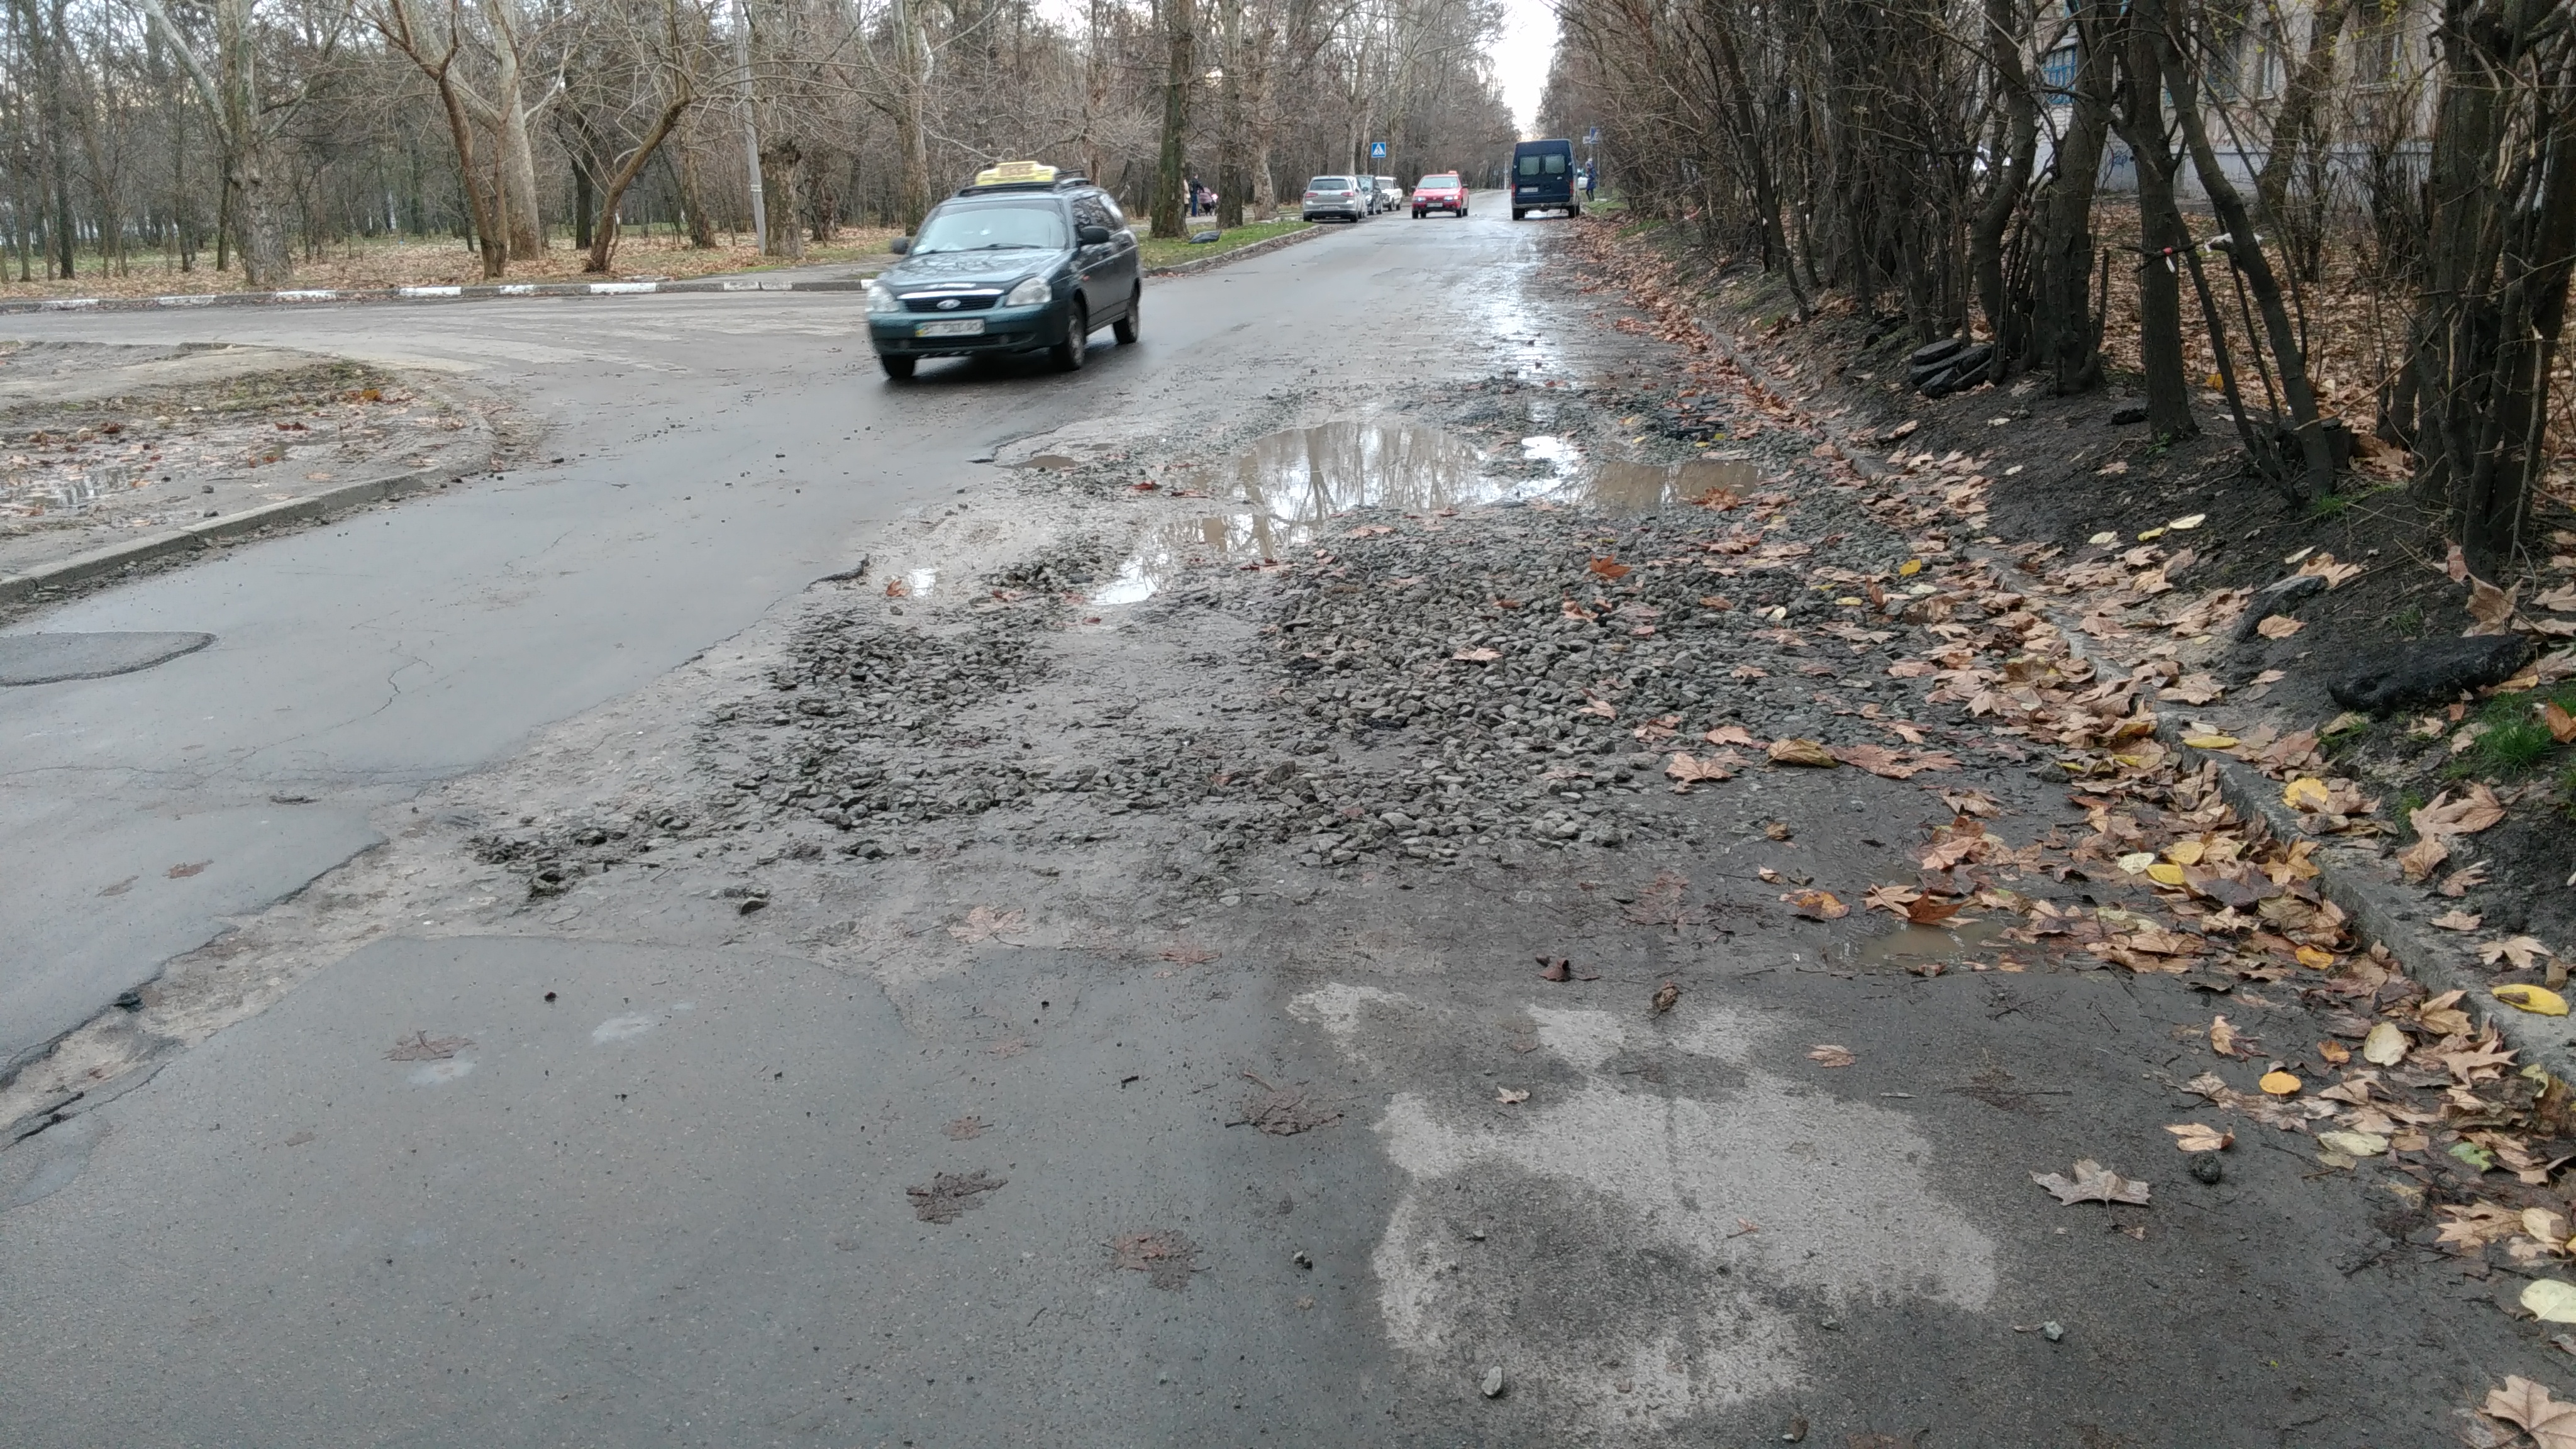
column 1016, row 173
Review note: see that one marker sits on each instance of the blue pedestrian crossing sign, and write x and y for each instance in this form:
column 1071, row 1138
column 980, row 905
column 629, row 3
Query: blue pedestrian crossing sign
column 1592, row 137
column 1377, row 150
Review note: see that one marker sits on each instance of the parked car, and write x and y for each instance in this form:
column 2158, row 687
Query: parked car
column 1446, row 191
column 1351, row 197
column 1390, row 196
column 1543, row 178
column 1026, row 258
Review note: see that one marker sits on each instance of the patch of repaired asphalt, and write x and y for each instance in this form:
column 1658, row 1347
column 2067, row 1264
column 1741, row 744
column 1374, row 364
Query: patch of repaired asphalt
column 57, row 658
column 1707, row 1215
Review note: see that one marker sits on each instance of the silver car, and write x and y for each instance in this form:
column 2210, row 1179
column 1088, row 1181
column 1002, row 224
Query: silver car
column 1390, row 197
column 1354, row 197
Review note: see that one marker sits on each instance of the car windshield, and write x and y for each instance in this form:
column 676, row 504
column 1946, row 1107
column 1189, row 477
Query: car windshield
column 1440, row 183
column 1329, row 183
column 991, row 228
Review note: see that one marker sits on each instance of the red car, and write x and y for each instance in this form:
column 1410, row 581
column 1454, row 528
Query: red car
column 1444, row 192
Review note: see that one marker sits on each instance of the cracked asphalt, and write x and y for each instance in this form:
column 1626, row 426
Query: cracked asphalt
column 1078, row 980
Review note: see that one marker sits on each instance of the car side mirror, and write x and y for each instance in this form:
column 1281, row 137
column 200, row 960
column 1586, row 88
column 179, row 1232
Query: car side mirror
column 900, row 245
column 1092, row 236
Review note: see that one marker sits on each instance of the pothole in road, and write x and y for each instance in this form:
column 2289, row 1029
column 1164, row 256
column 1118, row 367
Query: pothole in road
column 1296, row 484
column 1913, row 946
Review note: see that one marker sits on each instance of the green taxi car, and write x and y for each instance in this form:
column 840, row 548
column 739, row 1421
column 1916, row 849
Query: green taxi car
column 1025, row 259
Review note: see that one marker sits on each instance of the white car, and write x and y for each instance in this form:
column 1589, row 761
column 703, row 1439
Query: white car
column 1354, row 197
column 1390, row 197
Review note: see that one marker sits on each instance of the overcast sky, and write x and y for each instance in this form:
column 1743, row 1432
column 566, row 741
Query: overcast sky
column 1521, row 56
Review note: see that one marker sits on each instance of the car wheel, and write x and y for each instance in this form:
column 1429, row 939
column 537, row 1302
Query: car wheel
column 1075, row 349
column 897, row 368
column 1124, row 329
column 1518, row 214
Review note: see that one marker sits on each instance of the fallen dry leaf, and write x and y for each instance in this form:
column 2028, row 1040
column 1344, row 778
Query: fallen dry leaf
column 983, row 923
column 2538, row 1000
column 2550, row 1300
column 2490, row 606
column 1808, row 754
column 2280, row 1084
column 2091, row 1182
column 2385, row 1046
column 2224, row 1040
column 422, row 1047
column 1831, row 1056
column 2459, row 882
column 2528, row 1406
column 1890, row 764
column 1817, row 905
column 1478, row 656
column 1610, row 568
column 2457, row 920
column 1665, row 996
column 1687, row 772
column 1732, row 735
column 1508, row 1097
column 2193, row 1137
column 2562, row 725
column 2523, row 951
column 2447, row 817
column 2279, row 626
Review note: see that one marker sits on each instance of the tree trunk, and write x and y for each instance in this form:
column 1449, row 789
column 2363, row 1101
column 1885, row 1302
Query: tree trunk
column 2294, row 142
column 693, row 199
column 1180, row 41
column 514, row 158
column 2007, row 30
column 2495, row 272
column 2161, row 235
column 783, row 197
column 911, row 118
column 1230, row 179
column 603, row 234
column 2245, row 252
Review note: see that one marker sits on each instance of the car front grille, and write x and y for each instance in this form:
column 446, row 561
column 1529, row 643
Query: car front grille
column 939, row 301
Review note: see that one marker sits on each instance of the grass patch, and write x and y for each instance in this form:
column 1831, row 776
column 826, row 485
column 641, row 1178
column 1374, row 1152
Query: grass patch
column 1171, row 251
column 2410, row 622
column 2516, row 739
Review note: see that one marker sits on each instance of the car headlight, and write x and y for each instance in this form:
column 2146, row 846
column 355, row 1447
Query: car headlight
column 1032, row 293
column 881, row 298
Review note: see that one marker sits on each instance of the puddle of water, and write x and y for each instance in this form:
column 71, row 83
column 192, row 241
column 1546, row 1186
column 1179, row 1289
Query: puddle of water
column 1557, row 453
column 1910, row 943
column 1644, row 487
column 1298, row 484
column 1052, row 462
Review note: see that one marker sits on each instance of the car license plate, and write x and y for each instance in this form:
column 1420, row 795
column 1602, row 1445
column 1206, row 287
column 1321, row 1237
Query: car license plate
column 950, row 327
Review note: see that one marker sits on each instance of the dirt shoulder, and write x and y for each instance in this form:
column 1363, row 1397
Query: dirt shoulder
column 2167, row 550
column 106, row 443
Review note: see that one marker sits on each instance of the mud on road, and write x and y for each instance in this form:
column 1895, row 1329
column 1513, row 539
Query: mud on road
column 1365, row 911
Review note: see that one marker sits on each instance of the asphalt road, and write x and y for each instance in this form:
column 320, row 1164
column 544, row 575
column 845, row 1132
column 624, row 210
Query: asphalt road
column 720, row 453
column 1099, row 1119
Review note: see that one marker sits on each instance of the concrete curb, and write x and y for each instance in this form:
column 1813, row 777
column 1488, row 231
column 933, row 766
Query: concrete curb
column 1242, row 253
column 2382, row 908
column 706, row 286
column 117, row 557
